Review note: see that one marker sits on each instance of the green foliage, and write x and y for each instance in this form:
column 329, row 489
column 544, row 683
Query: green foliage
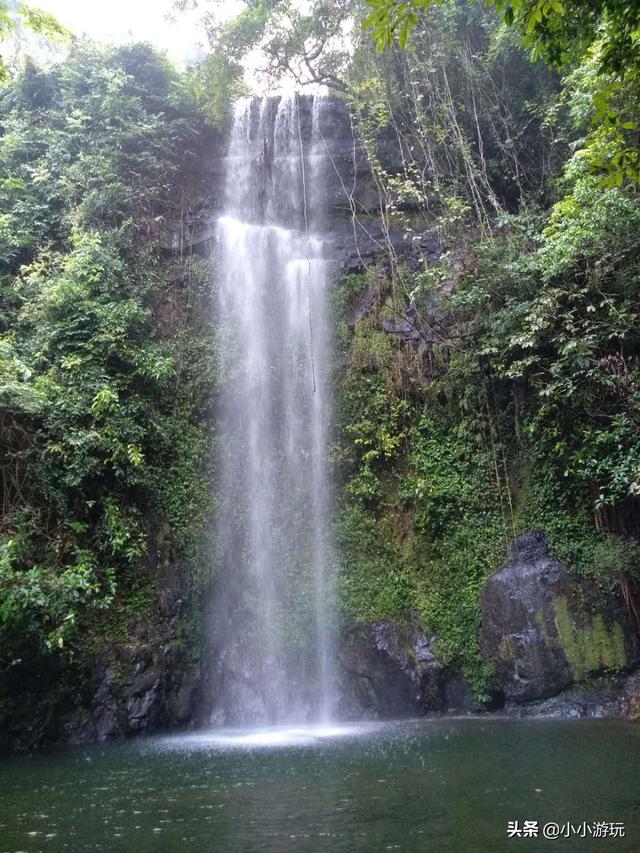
column 562, row 321
column 216, row 83
column 599, row 38
column 17, row 15
column 456, row 103
column 558, row 505
column 39, row 606
column 102, row 427
column 376, row 580
column 390, row 19
column 559, row 30
column 458, row 513
column 421, row 520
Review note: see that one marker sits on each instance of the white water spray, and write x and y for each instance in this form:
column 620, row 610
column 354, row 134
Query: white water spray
column 271, row 623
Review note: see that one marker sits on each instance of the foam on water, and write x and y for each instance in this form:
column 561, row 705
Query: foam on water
column 270, row 737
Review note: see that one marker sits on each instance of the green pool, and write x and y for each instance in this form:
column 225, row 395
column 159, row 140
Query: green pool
column 429, row 785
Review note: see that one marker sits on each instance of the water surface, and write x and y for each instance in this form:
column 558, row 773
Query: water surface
column 445, row 786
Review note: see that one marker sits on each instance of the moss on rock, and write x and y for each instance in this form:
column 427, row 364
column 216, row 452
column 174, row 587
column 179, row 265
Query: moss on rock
column 592, row 646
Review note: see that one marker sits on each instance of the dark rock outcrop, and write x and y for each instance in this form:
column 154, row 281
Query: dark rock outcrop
column 361, row 242
column 613, row 696
column 146, row 685
column 389, row 669
column 546, row 631
column 350, row 224
column 148, row 682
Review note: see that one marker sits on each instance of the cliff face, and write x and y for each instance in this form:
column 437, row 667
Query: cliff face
column 356, row 233
column 558, row 647
column 447, row 610
column 542, row 631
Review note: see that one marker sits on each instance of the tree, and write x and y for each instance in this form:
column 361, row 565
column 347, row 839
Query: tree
column 604, row 34
column 14, row 15
column 99, row 439
column 560, row 31
column 282, row 38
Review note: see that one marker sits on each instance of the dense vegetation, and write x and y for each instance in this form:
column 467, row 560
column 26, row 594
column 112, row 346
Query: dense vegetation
column 509, row 129
column 518, row 405
column 105, row 351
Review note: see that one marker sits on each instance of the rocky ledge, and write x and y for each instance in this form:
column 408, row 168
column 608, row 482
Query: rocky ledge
column 148, row 682
column 559, row 649
column 547, row 631
column 390, row 669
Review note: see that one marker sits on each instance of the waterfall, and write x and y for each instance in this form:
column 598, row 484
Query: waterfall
column 271, row 634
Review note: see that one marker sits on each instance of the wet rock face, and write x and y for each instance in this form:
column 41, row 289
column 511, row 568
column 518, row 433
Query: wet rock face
column 129, row 700
column 355, row 244
column 149, row 682
column 614, row 696
column 389, row 669
column 350, row 224
column 147, row 687
column 545, row 631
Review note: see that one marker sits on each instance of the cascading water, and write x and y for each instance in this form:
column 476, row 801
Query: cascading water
column 271, row 619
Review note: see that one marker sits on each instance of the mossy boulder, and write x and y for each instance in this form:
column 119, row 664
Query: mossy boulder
column 546, row 630
column 390, row 669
